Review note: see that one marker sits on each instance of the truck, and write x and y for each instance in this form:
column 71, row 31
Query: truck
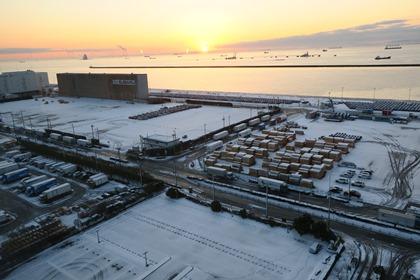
column 68, row 139
column 54, row 166
column 55, row 136
column 254, row 122
column 97, row 180
column 272, row 184
column 220, row 135
column 40, row 187
column 8, row 168
column 30, row 181
column 214, row 145
column 265, row 118
column 55, row 193
column 245, row 133
column 239, row 127
column 83, row 142
column 14, row 175
column 67, row 169
column 22, row 157
column 12, row 153
column 219, row 173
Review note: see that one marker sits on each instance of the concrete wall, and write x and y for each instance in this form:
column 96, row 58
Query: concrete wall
column 109, row 86
column 22, row 82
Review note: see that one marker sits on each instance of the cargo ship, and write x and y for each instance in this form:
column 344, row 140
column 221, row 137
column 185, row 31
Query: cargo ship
column 393, row 47
column 382, row 57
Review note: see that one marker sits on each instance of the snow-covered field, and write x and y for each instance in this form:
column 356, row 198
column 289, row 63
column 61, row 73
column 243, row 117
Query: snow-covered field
column 369, row 153
column 180, row 237
column 110, row 117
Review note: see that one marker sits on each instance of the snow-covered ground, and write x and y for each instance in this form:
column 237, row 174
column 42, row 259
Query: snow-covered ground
column 179, row 235
column 110, row 117
column 369, row 153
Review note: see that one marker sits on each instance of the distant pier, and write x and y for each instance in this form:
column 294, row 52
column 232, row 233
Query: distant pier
column 259, row 66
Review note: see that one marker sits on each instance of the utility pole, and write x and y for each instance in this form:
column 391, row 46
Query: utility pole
column 72, row 126
column 229, row 119
column 329, row 199
column 214, row 188
column 23, row 120
column 146, row 263
column 205, row 129
column 223, row 119
column 93, row 135
column 97, row 236
column 266, row 201
column 176, row 177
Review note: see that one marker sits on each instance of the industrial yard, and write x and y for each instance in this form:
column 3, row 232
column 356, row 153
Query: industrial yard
column 287, row 148
column 212, row 244
column 110, row 118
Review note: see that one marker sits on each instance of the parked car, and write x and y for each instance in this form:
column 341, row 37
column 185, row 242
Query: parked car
column 336, row 189
column 359, row 184
column 342, row 181
column 353, row 193
column 347, row 175
column 364, row 176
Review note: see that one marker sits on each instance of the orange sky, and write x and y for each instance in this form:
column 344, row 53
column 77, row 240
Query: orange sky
column 177, row 25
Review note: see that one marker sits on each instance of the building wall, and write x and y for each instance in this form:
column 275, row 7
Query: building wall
column 22, row 82
column 109, row 86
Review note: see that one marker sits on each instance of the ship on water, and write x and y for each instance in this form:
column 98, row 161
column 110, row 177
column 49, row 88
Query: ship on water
column 231, row 57
column 85, row 57
column 393, row 47
column 382, row 57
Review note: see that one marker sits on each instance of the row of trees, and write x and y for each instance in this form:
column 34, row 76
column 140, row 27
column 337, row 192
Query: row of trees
column 305, row 224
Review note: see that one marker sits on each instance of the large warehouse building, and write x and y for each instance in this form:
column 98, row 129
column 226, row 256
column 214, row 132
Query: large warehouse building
column 22, row 83
column 110, row 86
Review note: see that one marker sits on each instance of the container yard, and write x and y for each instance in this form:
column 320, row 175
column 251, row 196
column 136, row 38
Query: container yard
column 256, row 254
column 314, row 154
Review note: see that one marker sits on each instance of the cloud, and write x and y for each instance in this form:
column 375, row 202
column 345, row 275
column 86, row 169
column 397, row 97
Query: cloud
column 6, row 51
column 23, row 50
column 378, row 33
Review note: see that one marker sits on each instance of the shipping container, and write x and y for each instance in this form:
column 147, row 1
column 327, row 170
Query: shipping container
column 245, row 133
column 68, row 139
column 22, row 157
column 98, row 180
column 55, row 136
column 33, row 180
column 83, row 142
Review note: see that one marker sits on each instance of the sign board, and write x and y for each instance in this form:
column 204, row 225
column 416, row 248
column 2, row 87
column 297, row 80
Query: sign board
column 124, row 82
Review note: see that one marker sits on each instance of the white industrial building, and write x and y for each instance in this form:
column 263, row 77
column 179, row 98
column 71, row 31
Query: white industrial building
column 22, row 83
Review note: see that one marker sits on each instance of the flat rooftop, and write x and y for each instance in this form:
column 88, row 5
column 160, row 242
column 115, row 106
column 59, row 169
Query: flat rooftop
column 181, row 236
column 110, row 118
